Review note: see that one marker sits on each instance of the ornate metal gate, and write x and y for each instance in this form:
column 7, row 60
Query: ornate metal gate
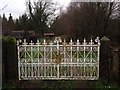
column 58, row 60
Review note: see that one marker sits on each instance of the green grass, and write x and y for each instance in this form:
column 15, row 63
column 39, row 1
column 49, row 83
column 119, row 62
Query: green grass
column 105, row 85
column 59, row 84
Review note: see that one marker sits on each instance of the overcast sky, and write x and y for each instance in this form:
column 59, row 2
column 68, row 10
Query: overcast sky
column 18, row 7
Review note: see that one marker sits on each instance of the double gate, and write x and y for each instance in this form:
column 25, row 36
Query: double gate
column 58, row 60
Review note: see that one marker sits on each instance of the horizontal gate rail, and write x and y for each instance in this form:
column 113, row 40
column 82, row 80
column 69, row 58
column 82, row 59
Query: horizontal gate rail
column 58, row 60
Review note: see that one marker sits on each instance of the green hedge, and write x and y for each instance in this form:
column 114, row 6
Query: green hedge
column 9, row 39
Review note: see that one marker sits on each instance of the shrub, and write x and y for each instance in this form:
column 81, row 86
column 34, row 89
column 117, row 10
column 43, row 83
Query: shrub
column 9, row 39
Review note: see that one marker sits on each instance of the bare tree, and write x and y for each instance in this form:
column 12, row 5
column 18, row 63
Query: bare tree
column 88, row 19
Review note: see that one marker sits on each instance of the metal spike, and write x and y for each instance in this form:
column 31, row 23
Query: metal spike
column 78, row 42
column 38, row 42
column 71, row 42
column 24, row 43
column 24, row 40
column 60, row 40
column 64, row 42
column 84, row 41
column 44, row 42
column 91, row 41
column 31, row 42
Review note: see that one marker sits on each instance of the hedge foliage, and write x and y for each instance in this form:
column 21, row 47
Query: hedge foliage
column 9, row 39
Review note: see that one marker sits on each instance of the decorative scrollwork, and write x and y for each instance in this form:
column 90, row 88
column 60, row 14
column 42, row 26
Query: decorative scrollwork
column 97, row 40
column 57, row 40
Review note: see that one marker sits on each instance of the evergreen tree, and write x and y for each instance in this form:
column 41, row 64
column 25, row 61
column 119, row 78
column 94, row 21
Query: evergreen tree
column 11, row 23
column 17, row 25
column 23, row 21
column 4, row 21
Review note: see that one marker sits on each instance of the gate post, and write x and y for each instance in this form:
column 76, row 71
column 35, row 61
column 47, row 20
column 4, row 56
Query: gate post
column 115, row 64
column 105, row 58
column 12, row 61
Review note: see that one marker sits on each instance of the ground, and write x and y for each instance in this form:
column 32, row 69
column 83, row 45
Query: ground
column 48, row 84
column 84, row 84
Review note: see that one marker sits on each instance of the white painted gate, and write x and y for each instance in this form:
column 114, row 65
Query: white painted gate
column 58, row 60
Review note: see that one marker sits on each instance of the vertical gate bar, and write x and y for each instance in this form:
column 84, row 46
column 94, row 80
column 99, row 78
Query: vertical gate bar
column 47, row 72
column 51, row 59
column 51, row 70
column 28, row 69
column 51, row 56
column 38, row 57
column 71, row 54
column 78, row 50
column 22, row 69
column 25, row 61
column 57, row 47
column 78, row 74
column 71, row 42
column 58, row 71
column 98, row 50
column 54, row 70
column 91, row 57
column 71, row 67
column 25, row 71
column 25, row 68
column 18, row 47
column 84, row 56
column 69, row 70
column 38, row 63
column 35, row 68
column 64, row 70
column 98, row 58
column 64, row 60
column 44, row 58
column 32, row 57
column 57, row 55
column 41, row 72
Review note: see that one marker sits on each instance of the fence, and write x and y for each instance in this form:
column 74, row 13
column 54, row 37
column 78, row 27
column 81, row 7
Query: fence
column 58, row 60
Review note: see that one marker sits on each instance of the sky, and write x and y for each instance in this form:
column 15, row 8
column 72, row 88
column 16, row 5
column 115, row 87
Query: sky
column 18, row 7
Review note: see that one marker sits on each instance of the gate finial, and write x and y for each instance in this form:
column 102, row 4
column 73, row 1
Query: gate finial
column 57, row 40
column 24, row 43
column 84, row 41
column 38, row 42
column 97, row 40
